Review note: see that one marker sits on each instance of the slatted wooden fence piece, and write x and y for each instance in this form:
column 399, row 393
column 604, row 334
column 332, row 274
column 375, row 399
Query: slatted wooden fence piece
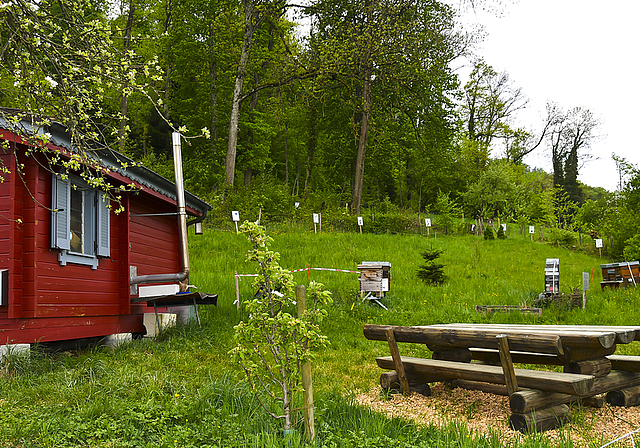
column 538, row 398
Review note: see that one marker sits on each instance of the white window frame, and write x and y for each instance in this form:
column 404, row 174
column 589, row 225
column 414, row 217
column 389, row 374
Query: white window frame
column 96, row 222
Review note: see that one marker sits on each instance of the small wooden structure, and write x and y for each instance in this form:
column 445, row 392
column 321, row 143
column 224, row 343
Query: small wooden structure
column 70, row 267
column 490, row 309
column 616, row 275
column 538, row 398
column 375, row 278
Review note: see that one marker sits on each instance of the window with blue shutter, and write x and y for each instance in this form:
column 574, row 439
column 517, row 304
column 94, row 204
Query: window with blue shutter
column 79, row 222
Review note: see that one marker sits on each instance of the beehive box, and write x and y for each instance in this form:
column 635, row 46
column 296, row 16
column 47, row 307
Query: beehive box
column 375, row 277
column 552, row 276
column 624, row 274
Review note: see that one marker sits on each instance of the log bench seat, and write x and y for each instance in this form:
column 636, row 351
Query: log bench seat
column 566, row 383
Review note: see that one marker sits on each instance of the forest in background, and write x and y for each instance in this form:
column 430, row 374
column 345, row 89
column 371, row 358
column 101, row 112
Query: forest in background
column 336, row 104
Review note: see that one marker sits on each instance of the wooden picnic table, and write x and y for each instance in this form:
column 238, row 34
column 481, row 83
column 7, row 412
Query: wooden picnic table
column 481, row 356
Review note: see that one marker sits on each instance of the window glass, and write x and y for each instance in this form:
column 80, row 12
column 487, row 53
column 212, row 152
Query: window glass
column 77, row 220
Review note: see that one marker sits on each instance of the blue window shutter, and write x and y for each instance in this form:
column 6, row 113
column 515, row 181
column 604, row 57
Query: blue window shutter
column 103, row 225
column 60, row 219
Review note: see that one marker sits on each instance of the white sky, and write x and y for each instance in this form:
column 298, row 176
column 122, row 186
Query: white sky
column 575, row 53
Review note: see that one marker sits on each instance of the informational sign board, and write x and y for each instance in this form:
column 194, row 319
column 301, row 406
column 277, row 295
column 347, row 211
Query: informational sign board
column 532, row 229
column 297, row 204
column 360, row 221
column 504, row 227
column 599, row 243
column 316, row 218
column 585, row 281
column 427, row 222
column 235, row 215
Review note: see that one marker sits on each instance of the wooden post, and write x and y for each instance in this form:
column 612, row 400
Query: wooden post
column 237, row 231
column 395, row 354
column 507, row 365
column 307, row 382
column 320, row 215
column 237, row 292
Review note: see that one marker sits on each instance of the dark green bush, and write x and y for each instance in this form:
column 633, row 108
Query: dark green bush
column 488, row 233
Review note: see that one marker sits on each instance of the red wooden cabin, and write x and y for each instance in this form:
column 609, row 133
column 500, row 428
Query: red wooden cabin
column 68, row 274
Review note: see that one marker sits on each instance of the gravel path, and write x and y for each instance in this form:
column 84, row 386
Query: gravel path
column 483, row 412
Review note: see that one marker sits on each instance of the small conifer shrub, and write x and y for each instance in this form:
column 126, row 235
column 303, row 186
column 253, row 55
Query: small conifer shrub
column 501, row 234
column 488, row 233
column 432, row 273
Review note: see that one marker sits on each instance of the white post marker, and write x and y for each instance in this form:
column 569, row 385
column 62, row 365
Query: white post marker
column 316, row 220
column 360, row 223
column 599, row 246
column 235, row 215
column 585, row 288
column 427, row 224
column 532, row 230
column 504, row 228
column 297, row 204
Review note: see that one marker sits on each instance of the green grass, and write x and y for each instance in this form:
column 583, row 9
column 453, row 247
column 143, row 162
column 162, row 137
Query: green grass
column 183, row 390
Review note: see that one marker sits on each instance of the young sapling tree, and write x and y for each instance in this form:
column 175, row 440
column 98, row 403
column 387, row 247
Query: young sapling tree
column 432, row 273
column 272, row 344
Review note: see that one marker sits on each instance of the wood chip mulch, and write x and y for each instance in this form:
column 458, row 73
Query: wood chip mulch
column 485, row 413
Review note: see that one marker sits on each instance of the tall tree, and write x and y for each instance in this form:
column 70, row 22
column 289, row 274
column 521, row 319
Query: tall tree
column 570, row 140
column 383, row 52
column 490, row 104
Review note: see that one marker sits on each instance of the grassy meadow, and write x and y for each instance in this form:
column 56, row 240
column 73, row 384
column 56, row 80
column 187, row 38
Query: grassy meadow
column 182, row 389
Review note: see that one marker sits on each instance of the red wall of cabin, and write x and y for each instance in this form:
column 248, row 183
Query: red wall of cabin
column 51, row 302
column 5, row 211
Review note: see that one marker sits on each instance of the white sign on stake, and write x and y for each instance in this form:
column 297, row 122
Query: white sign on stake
column 360, row 221
column 316, row 218
column 532, row 229
column 504, row 227
column 598, row 243
column 427, row 222
column 235, row 215
column 297, row 204
column 585, row 281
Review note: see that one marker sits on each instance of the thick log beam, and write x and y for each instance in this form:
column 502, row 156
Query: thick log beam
column 568, row 383
column 496, row 389
column 570, row 355
column 597, row 367
column 525, row 401
column 570, row 338
column 457, row 354
column 624, row 334
column 417, row 383
column 540, row 420
column 460, row 338
column 624, row 397
column 624, row 362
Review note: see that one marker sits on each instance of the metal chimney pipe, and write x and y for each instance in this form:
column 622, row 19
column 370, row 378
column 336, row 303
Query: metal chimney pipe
column 182, row 228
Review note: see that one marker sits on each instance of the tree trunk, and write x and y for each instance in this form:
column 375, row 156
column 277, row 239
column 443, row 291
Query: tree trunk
column 362, row 142
column 213, row 86
column 249, row 29
column 122, row 134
